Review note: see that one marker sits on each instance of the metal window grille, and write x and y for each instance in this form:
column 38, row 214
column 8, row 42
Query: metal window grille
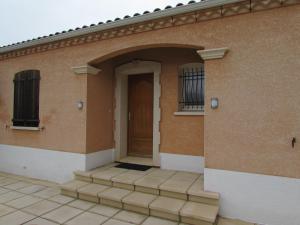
column 191, row 81
column 26, row 98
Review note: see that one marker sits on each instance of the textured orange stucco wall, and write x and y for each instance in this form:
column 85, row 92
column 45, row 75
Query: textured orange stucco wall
column 258, row 86
column 99, row 107
column 60, row 89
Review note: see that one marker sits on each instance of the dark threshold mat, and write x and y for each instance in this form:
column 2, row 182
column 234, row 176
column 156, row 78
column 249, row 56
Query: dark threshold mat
column 131, row 166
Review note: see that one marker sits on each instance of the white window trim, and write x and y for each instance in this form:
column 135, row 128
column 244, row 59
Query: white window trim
column 196, row 113
column 26, row 128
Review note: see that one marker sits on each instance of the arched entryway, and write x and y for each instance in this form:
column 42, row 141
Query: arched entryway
column 175, row 135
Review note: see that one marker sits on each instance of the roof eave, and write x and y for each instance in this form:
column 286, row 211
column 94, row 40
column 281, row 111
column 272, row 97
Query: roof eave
column 125, row 22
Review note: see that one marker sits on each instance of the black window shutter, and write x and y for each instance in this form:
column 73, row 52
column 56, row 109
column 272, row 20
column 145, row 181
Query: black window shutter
column 26, row 98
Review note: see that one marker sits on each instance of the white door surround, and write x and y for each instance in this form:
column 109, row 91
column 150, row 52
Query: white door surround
column 120, row 133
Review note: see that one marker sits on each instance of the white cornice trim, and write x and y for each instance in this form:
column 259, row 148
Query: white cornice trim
column 26, row 128
column 196, row 113
column 215, row 53
column 124, row 22
column 85, row 70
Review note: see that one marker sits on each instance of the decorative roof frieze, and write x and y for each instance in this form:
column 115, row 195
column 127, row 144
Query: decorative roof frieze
column 196, row 16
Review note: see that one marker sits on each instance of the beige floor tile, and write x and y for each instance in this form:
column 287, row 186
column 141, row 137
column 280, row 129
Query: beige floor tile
column 47, row 193
column 168, row 205
column 104, row 210
column 62, row 214
column 16, row 218
column 32, row 189
column 115, row 194
column 80, row 204
column 92, row 189
column 5, row 210
column 200, row 211
column 23, row 202
column 150, row 181
column 40, row 221
column 154, row 179
column 41, row 208
column 162, row 173
column 17, row 185
column 9, row 196
column 7, row 181
column 197, row 186
column 139, row 199
column 3, row 190
column 61, row 199
column 87, row 218
column 156, row 221
column 45, row 183
column 73, row 185
column 130, row 217
column 224, row 221
column 129, row 177
column 116, row 222
column 179, row 182
column 109, row 173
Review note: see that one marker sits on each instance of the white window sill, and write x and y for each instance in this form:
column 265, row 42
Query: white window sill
column 26, row 128
column 191, row 113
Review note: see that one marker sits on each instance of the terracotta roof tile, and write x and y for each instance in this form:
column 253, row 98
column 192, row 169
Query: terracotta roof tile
column 100, row 23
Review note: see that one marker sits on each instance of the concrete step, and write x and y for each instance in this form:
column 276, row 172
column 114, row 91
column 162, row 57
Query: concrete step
column 144, row 203
column 181, row 185
column 168, row 208
column 90, row 192
column 113, row 197
column 198, row 213
column 70, row 188
column 172, row 195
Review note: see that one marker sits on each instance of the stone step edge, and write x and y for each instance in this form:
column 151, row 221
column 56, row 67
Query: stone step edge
column 204, row 194
column 142, row 210
column 73, row 192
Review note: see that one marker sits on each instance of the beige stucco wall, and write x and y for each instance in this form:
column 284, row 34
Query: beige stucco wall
column 60, row 89
column 257, row 84
column 99, row 108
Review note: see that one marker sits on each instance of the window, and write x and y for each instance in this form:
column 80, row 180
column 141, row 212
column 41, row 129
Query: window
column 191, row 87
column 26, row 98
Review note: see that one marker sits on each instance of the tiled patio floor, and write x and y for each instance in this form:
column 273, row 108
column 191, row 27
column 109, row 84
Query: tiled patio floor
column 34, row 202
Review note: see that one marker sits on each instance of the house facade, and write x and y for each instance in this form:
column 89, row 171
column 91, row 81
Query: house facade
column 209, row 87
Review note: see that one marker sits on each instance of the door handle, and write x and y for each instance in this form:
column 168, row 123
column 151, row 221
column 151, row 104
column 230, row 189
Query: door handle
column 129, row 115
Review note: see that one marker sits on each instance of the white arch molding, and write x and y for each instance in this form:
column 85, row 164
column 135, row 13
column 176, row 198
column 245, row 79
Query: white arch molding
column 120, row 135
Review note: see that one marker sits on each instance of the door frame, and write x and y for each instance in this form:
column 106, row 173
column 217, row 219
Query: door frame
column 121, row 105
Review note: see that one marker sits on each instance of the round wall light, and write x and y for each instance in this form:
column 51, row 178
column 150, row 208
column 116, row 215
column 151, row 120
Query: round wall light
column 214, row 103
column 80, row 105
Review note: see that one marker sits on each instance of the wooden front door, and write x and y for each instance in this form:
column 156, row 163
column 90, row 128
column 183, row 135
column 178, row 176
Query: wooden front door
column 140, row 115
